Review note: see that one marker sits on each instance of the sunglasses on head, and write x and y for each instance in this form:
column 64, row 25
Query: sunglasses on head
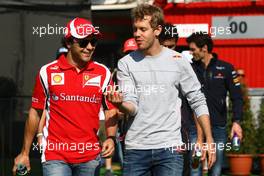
column 84, row 42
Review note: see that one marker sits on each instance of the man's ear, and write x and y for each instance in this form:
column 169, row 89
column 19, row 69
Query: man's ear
column 68, row 44
column 158, row 30
column 205, row 48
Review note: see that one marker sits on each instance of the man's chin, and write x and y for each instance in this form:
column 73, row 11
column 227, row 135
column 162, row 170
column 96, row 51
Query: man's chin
column 141, row 47
column 86, row 59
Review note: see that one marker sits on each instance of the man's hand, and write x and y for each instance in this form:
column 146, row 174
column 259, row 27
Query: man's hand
column 204, row 121
column 114, row 96
column 199, row 145
column 236, row 128
column 21, row 159
column 211, row 152
column 108, row 148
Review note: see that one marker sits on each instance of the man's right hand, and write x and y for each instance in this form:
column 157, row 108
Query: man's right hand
column 114, row 96
column 21, row 159
column 211, row 152
column 199, row 145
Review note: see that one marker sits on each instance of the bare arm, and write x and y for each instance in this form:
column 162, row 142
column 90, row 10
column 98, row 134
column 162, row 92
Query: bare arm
column 128, row 108
column 200, row 135
column 204, row 122
column 111, row 127
column 42, row 122
column 31, row 128
column 40, row 127
column 111, row 122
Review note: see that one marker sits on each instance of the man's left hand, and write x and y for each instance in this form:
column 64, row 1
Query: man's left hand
column 108, row 148
column 236, row 128
column 211, row 152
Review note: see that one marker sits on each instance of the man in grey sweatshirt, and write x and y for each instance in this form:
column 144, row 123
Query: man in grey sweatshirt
column 150, row 80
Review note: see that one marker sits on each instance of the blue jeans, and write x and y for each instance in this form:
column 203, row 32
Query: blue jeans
column 119, row 151
column 152, row 162
column 220, row 138
column 61, row 168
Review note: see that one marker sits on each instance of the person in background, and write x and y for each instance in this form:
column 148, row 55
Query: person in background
column 217, row 78
column 241, row 75
column 69, row 91
column 129, row 46
column 169, row 36
column 62, row 49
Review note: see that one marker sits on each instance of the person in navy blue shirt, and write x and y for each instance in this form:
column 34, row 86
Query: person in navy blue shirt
column 217, row 78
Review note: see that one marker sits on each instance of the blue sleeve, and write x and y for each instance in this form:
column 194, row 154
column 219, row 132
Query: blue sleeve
column 234, row 88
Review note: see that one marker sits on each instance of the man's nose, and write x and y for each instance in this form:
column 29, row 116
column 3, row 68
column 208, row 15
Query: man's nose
column 89, row 46
column 136, row 33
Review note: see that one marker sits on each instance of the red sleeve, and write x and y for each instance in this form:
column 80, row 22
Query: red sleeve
column 38, row 97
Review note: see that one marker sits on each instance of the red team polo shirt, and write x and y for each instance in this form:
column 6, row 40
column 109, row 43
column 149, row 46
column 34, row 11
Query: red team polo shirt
column 72, row 102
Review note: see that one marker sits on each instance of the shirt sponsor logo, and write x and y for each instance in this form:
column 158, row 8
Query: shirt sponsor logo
column 54, row 67
column 55, row 97
column 91, row 80
column 175, row 57
column 57, row 78
column 220, row 68
column 219, row 76
column 78, row 98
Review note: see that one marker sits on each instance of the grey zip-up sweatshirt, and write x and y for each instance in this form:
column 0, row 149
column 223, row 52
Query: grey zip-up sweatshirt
column 152, row 84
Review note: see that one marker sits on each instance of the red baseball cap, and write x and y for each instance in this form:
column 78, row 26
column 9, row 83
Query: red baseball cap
column 80, row 28
column 130, row 45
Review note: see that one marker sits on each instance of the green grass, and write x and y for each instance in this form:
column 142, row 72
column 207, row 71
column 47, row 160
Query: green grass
column 115, row 172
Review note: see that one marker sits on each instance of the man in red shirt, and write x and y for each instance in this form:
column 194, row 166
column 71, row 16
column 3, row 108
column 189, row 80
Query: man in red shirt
column 70, row 91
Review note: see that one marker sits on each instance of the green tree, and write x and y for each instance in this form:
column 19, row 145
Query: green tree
column 247, row 124
column 260, row 129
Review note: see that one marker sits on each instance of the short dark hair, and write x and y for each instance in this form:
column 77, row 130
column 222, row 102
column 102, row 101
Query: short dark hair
column 201, row 39
column 169, row 31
